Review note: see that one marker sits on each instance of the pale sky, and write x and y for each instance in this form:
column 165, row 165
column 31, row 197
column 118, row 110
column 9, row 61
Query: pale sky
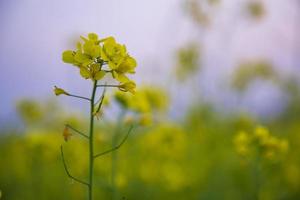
column 34, row 33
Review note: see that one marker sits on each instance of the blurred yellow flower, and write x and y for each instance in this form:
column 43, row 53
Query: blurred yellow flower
column 261, row 142
column 262, row 134
column 242, row 141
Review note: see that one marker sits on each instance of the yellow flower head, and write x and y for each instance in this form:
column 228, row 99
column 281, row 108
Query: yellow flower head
column 91, row 56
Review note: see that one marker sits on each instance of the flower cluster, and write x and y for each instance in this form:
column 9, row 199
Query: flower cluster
column 260, row 142
column 94, row 54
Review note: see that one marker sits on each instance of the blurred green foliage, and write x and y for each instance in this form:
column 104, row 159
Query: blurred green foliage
column 195, row 158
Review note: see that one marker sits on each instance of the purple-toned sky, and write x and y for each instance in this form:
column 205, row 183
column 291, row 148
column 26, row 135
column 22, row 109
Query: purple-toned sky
column 34, row 33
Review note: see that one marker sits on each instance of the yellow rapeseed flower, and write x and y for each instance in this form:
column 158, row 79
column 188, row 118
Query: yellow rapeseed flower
column 93, row 53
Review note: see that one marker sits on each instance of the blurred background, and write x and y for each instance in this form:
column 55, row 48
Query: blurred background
column 217, row 103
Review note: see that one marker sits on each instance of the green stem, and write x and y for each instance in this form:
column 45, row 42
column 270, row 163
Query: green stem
column 80, row 97
column 91, row 143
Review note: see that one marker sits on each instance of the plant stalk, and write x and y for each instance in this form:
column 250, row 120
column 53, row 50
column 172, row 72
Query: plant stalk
column 91, row 144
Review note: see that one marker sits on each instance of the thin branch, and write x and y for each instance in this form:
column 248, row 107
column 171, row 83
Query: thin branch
column 67, row 171
column 116, row 147
column 80, row 133
column 101, row 101
column 108, row 85
column 80, row 97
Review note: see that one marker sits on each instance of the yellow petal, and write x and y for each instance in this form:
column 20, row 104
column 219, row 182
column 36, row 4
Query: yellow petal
column 68, row 56
column 85, row 73
column 93, row 36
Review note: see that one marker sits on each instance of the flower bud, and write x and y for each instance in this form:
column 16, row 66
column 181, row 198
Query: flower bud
column 66, row 134
column 59, row 91
column 128, row 87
